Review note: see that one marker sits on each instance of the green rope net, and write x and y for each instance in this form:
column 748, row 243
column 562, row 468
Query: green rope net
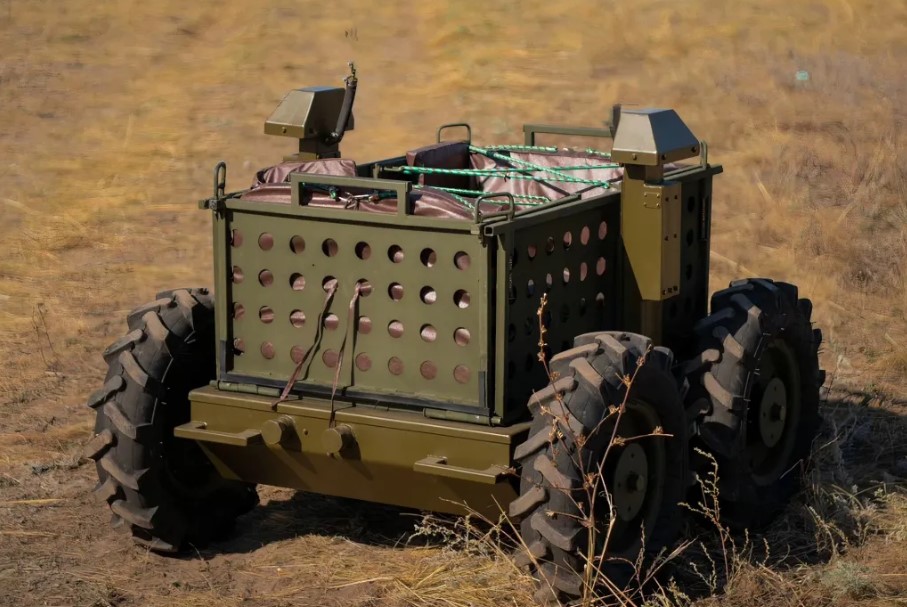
column 519, row 169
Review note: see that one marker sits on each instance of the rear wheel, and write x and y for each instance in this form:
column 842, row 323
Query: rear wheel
column 757, row 381
column 163, row 488
column 573, row 423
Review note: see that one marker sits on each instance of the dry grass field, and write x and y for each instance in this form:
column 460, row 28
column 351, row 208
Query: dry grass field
column 112, row 115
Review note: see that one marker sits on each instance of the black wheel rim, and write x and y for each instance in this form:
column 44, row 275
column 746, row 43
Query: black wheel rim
column 634, row 474
column 774, row 414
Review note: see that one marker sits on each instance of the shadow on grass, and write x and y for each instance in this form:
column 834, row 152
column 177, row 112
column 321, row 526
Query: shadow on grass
column 313, row 514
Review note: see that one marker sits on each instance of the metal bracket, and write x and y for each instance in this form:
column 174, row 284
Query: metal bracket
column 198, row 431
column 438, row 466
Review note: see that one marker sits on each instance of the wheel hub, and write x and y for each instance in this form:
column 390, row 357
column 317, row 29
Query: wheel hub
column 630, row 481
column 773, row 412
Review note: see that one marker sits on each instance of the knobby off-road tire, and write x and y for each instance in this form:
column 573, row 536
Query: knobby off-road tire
column 757, row 379
column 163, row 488
column 569, row 429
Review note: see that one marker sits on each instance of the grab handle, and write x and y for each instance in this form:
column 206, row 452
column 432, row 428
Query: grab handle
column 438, row 466
column 198, row 431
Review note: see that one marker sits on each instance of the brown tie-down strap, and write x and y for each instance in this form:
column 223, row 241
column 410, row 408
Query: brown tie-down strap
column 330, row 290
column 350, row 322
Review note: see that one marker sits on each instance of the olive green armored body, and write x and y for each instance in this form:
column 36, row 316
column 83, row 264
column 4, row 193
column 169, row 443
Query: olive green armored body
column 374, row 333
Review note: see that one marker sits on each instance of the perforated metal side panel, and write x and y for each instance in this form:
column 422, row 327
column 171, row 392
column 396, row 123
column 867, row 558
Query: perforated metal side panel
column 572, row 254
column 419, row 324
column 683, row 310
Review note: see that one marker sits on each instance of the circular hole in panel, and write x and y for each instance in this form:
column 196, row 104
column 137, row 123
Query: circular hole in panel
column 266, row 314
column 600, row 266
column 583, row 271
column 331, row 322
column 329, row 247
column 428, row 257
column 689, row 237
column 297, row 318
column 529, row 325
column 365, row 287
column 462, row 374
column 602, row 230
column 395, row 328
column 328, row 283
column 549, row 280
column 549, row 245
column 395, row 365
column 239, row 311
column 428, row 295
column 364, row 325
column 297, row 353
column 600, row 299
column 395, row 291
column 267, row 350
column 428, row 333
column 530, row 288
column 265, row 241
column 584, row 235
column 461, row 336
column 461, row 298
column 363, row 251
column 236, row 238
column 566, row 275
column 239, row 346
column 236, row 275
column 297, row 244
column 462, row 260
column 568, row 240
column 266, row 278
column 363, row 362
column 511, row 332
column 330, row 358
column 428, row 369
column 531, row 251
column 297, row 281
column 395, row 253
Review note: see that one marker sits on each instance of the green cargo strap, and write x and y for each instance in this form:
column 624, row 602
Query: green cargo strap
column 550, row 170
column 494, row 171
column 477, row 193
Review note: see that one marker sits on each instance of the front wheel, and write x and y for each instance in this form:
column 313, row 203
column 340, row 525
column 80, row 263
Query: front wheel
column 572, row 472
column 163, row 488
